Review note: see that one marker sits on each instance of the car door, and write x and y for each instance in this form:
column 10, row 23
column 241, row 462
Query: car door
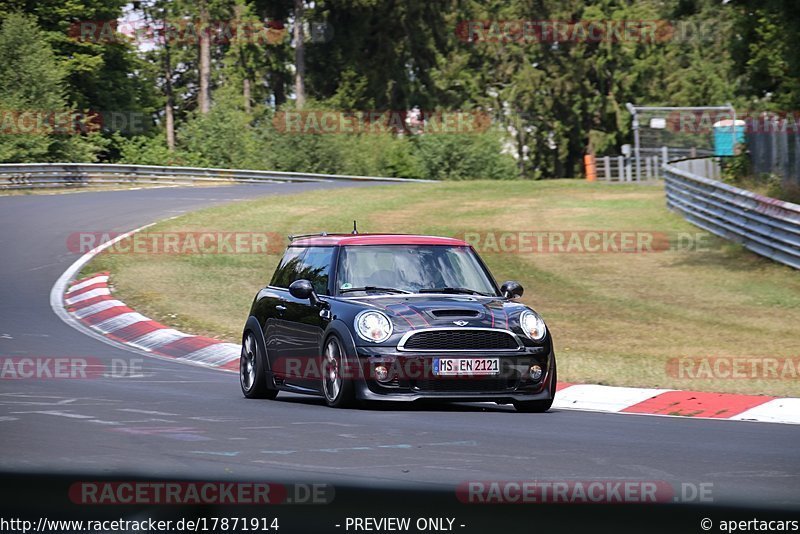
column 305, row 322
column 269, row 300
column 299, row 325
column 273, row 305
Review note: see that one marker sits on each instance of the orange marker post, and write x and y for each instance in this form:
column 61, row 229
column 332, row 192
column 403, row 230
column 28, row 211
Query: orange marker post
column 590, row 167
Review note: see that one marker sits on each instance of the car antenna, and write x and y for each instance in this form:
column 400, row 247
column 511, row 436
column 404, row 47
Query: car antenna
column 355, row 229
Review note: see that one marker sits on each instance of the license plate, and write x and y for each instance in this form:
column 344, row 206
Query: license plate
column 466, row 366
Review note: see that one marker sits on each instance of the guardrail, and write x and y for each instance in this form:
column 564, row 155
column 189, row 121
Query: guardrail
column 44, row 175
column 765, row 225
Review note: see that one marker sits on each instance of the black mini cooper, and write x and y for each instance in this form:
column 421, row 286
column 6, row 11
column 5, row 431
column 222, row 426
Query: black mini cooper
column 363, row 317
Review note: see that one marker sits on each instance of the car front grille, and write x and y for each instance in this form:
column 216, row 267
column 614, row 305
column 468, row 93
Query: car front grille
column 460, row 339
column 466, row 385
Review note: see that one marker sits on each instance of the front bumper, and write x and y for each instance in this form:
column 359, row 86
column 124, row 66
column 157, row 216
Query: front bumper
column 411, row 376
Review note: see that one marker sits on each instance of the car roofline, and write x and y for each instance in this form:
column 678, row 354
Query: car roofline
column 324, row 239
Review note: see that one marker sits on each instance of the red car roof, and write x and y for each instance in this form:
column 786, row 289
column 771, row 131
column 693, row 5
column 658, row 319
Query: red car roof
column 377, row 239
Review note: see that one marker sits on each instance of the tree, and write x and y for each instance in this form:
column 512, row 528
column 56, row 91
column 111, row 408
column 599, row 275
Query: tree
column 102, row 70
column 299, row 56
column 381, row 54
column 204, row 50
column 157, row 14
column 37, row 123
column 225, row 136
column 764, row 47
column 244, row 62
column 562, row 97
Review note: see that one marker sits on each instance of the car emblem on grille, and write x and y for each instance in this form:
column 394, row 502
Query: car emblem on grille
column 460, row 323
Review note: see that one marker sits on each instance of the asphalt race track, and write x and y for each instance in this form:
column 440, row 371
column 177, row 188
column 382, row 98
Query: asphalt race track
column 179, row 420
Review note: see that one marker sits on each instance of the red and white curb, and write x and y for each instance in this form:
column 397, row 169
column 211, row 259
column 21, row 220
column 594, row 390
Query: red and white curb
column 90, row 301
column 670, row 402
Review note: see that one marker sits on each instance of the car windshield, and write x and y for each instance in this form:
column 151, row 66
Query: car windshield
column 413, row 269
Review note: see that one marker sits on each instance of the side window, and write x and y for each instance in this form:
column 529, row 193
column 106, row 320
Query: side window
column 289, row 268
column 316, row 266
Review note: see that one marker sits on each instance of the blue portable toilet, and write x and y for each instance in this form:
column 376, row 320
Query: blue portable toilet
column 725, row 132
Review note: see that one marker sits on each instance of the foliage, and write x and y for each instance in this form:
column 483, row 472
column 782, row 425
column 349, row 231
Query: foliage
column 737, row 171
column 764, row 50
column 225, row 137
column 553, row 99
column 464, row 157
column 736, row 168
column 150, row 150
column 38, row 124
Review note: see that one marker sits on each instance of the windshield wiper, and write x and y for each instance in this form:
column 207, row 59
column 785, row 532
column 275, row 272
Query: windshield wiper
column 374, row 288
column 462, row 290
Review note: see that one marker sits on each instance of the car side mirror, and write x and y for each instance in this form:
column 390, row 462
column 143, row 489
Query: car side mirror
column 302, row 290
column 511, row 289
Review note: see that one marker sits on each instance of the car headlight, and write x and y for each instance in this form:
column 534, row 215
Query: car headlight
column 532, row 325
column 373, row 326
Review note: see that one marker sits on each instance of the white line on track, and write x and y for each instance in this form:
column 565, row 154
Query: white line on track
column 148, row 412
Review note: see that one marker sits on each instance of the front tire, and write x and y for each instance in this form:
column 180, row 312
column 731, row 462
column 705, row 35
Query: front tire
column 252, row 371
column 337, row 387
column 540, row 406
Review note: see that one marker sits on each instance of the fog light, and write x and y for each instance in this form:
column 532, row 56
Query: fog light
column 381, row 373
column 535, row 372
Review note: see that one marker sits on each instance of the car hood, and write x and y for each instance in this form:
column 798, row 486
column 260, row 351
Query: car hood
column 411, row 312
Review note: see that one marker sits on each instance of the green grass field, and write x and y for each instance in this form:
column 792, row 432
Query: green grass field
column 617, row 318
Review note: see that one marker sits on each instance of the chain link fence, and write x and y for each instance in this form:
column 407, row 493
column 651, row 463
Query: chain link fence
column 775, row 150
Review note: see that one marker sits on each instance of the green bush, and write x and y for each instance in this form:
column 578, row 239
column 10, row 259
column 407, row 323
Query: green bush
column 736, row 168
column 224, row 137
column 149, row 150
column 464, row 157
column 229, row 137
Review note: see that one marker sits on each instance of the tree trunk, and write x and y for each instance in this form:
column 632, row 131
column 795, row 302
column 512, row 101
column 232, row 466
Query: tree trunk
column 169, row 107
column 204, row 97
column 299, row 56
column 170, row 124
column 243, row 63
column 278, row 87
column 246, row 93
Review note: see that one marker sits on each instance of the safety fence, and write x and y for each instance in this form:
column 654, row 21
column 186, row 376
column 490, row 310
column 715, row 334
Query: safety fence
column 66, row 175
column 765, row 225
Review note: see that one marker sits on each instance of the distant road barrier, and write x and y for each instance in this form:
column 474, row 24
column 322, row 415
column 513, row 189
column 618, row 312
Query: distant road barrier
column 52, row 175
column 765, row 225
